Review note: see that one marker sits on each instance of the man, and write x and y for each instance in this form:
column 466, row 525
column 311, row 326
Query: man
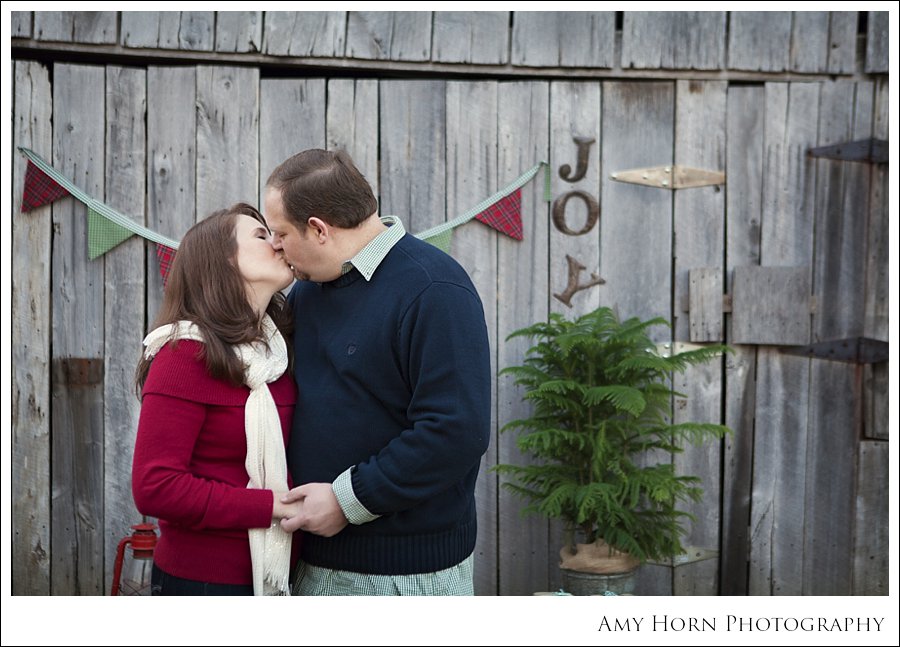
column 392, row 364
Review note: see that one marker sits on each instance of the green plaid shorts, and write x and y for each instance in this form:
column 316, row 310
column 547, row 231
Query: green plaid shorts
column 315, row 580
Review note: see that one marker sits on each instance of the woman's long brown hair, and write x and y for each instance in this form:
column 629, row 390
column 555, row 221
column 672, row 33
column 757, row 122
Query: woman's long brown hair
column 205, row 287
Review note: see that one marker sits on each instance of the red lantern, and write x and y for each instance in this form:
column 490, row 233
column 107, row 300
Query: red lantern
column 143, row 543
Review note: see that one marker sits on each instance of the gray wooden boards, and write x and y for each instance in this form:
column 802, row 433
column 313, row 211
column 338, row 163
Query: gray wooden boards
column 877, row 301
column 771, row 305
column 759, row 40
column 30, row 352
column 292, row 119
column 397, row 36
column 171, row 163
column 305, row 33
column 877, row 42
column 524, row 557
column 77, row 428
column 801, row 42
column 20, row 24
column 745, row 163
column 777, row 513
column 353, row 124
column 836, row 398
column 227, row 136
column 124, row 304
column 470, row 37
column 412, row 145
column 576, row 112
column 699, row 241
column 471, row 110
column 674, row 40
column 870, row 535
column 239, row 31
column 638, row 128
column 705, row 290
column 186, row 30
column 97, row 27
column 563, row 39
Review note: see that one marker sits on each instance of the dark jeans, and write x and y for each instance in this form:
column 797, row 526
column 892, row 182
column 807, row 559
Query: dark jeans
column 164, row 584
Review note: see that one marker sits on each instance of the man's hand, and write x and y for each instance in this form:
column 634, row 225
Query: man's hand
column 320, row 513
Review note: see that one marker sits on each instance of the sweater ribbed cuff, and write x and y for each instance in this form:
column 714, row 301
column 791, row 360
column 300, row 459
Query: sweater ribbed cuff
column 356, row 512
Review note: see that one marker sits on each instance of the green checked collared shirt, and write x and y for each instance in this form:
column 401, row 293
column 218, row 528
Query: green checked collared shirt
column 369, row 257
column 316, row 580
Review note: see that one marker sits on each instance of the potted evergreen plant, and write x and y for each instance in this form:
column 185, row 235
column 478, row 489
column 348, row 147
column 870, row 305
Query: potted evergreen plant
column 602, row 398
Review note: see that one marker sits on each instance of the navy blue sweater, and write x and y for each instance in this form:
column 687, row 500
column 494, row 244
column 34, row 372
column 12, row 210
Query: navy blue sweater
column 394, row 379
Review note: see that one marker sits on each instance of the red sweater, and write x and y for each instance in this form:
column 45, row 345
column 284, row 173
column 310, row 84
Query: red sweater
column 189, row 469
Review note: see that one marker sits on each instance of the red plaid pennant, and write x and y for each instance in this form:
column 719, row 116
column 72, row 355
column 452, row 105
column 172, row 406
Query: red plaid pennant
column 165, row 255
column 40, row 189
column 505, row 215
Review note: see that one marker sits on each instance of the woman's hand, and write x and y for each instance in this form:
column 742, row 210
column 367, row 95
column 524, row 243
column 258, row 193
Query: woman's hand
column 281, row 510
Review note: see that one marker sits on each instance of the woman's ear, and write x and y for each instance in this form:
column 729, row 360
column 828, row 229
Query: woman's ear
column 319, row 228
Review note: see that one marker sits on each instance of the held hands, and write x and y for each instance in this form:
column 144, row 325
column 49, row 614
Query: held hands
column 313, row 508
column 281, row 510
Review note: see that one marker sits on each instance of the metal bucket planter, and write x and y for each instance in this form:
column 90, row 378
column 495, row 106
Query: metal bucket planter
column 578, row 583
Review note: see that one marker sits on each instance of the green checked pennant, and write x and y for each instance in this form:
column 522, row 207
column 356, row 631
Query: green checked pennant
column 103, row 234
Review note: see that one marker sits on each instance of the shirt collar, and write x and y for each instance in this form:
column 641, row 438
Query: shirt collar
column 369, row 257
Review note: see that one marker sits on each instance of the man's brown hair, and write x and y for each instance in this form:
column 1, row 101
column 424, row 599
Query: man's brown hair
column 324, row 184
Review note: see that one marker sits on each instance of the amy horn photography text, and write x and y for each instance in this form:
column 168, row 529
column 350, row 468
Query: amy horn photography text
column 741, row 623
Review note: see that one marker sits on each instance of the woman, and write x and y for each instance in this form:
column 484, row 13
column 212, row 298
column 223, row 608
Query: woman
column 217, row 401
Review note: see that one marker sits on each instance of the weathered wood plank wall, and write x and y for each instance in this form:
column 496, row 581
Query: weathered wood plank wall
column 31, row 238
column 780, row 443
column 674, row 40
column 555, row 39
column 576, row 111
column 788, row 494
column 124, row 306
column 876, row 324
column 171, row 163
column 743, row 208
column 870, row 533
column 877, row 42
column 470, row 37
column 699, row 241
column 227, row 136
column 313, row 33
column 412, row 152
column 353, row 124
column 239, row 31
column 292, row 119
column 397, row 36
column 841, row 206
column 802, row 42
column 637, row 132
column 472, row 171
column 524, row 557
column 77, row 341
column 95, row 27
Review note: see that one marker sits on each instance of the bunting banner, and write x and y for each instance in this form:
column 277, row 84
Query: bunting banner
column 107, row 228
column 40, row 189
column 99, row 208
column 165, row 255
column 441, row 240
column 505, row 216
column 103, row 234
column 501, row 211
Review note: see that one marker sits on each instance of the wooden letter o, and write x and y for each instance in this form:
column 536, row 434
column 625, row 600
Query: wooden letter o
column 559, row 212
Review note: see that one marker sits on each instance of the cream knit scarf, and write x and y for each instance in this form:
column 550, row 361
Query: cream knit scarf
column 270, row 548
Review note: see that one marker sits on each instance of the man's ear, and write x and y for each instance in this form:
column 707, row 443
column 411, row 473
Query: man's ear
column 319, row 228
